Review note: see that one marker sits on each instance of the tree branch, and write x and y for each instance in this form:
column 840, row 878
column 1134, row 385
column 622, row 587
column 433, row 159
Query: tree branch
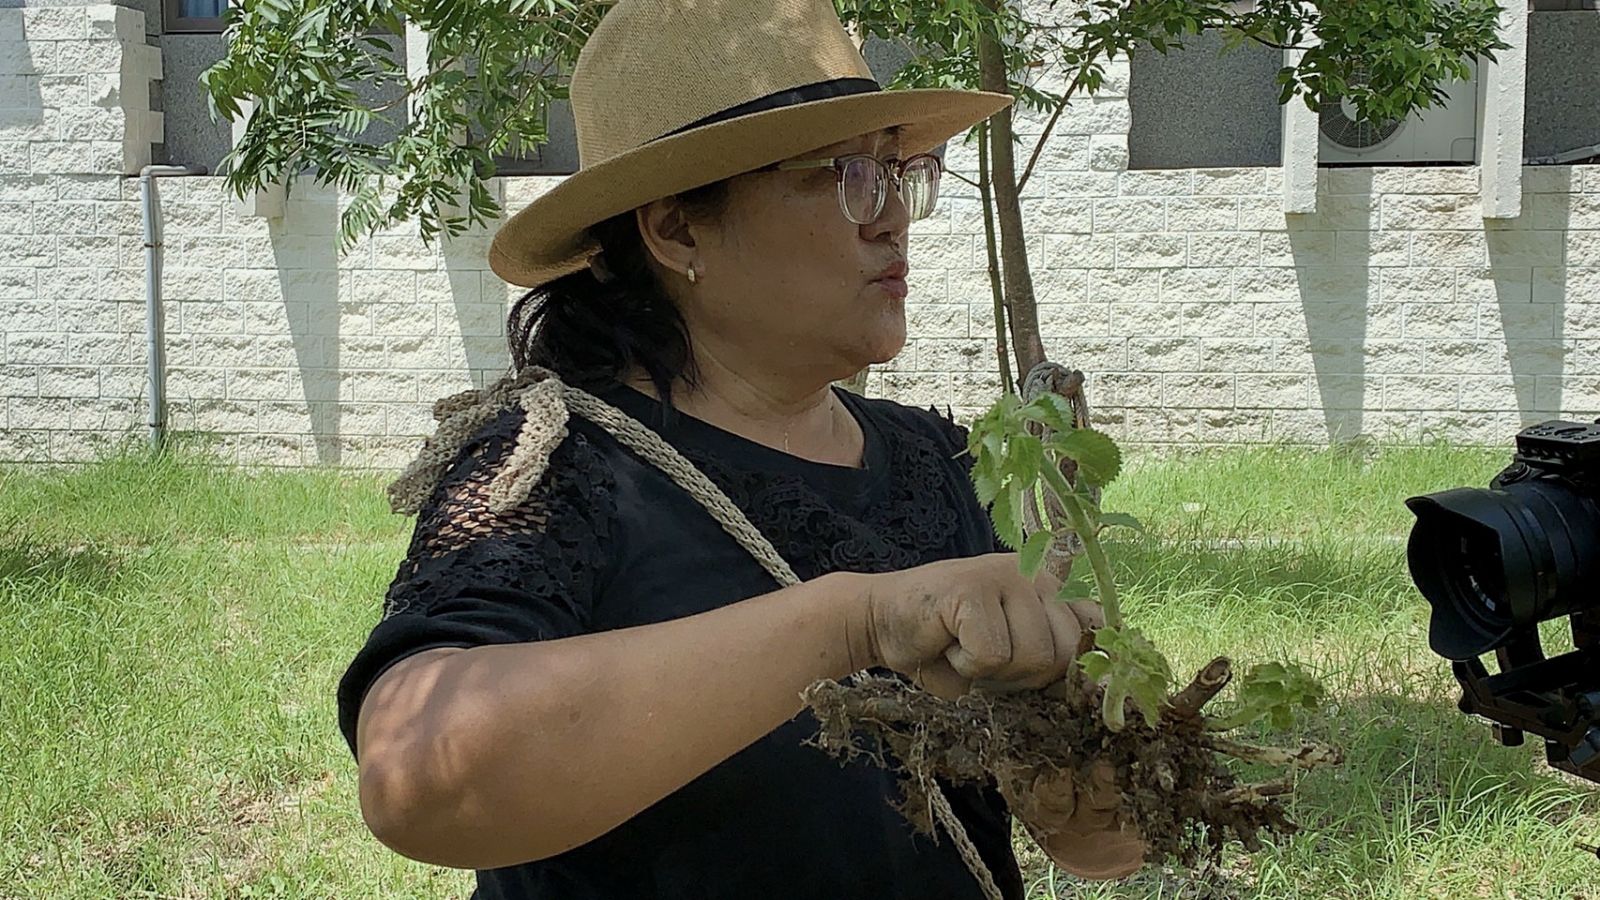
column 1066, row 97
column 986, row 193
column 960, row 177
column 1022, row 312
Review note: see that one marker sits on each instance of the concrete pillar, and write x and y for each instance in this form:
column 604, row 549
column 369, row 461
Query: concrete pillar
column 266, row 203
column 419, row 45
column 1505, row 93
column 1300, row 142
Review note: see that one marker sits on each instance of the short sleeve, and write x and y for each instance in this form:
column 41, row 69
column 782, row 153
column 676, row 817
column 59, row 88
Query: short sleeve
column 473, row 576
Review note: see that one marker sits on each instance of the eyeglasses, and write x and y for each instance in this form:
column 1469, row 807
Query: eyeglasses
column 864, row 181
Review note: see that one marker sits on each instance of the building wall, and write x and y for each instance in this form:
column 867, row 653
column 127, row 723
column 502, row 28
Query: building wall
column 1200, row 106
column 1205, row 314
column 1563, row 82
column 1201, row 311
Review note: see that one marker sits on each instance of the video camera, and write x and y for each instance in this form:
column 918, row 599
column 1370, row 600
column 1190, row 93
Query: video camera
column 1494, row 563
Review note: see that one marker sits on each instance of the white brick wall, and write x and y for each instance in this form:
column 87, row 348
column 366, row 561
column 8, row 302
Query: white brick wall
column 1203, row 312
column 277, row 347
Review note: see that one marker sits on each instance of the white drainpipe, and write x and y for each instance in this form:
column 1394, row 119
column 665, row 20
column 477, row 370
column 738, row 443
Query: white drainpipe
column 154, row 338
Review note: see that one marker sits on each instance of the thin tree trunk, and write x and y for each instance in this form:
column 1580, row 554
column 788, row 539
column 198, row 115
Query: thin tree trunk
column 1020, row 305
column 986, row 191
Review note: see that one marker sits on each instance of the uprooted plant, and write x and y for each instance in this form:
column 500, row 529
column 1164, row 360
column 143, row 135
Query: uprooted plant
column 1034, row 463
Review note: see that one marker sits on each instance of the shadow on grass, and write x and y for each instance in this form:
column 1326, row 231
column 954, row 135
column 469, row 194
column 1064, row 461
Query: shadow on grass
column 26, row 564
column 1424, row 787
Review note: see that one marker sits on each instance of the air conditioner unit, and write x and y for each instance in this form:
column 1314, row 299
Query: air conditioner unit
column 1445, row 133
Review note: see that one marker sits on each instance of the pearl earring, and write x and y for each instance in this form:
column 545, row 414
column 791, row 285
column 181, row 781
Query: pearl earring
column 693, row 277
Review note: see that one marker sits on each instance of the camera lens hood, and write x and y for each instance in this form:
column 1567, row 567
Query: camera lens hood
column 1481, row 560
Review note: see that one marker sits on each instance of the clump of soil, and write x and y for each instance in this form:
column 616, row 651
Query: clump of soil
column 1174, row 787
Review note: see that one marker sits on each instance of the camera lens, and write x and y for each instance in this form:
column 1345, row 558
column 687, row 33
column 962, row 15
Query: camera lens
column 1492, row 561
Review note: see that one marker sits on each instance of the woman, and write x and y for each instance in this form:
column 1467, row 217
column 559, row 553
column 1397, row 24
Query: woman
column 582, row 686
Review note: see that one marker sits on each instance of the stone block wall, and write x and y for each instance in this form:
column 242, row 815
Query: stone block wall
column 75, row 119
column 281, row 349
column 1399, row 308
column 1201, row 310
column 1204, row 313
column 75, row 91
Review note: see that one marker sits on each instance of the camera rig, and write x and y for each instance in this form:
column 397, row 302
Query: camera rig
column 1556, row 698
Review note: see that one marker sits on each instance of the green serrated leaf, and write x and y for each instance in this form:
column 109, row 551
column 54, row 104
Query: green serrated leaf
column 1033, row 550
column 1073, row 589
column 1051, row 410
column 985, row 482
column 1271, row 692
column 994, row 446
column 1133, row 669
column 1120, row 520
column 1095, row 664
column 1098, row 457
column 1024, row 456
column 1007, row 515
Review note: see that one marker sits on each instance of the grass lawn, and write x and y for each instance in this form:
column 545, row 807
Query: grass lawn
column 173, row 633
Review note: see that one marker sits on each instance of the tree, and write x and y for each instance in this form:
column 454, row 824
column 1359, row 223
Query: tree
column 303, row 65
column 1387, row 57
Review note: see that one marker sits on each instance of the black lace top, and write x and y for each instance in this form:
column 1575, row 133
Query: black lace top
column 606, row 541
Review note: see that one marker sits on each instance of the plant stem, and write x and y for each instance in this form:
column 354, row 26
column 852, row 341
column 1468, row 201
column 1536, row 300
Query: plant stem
column 1205, row 686
column 1098, row 562
column 1041, row 505
column 986, row 192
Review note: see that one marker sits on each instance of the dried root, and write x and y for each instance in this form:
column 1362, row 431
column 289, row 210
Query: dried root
column 1186, row 804
column 1307, row 756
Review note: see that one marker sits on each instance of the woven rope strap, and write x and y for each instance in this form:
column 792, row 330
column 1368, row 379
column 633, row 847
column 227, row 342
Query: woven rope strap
column 969, row 851
column 649, row 446
column 548, row 404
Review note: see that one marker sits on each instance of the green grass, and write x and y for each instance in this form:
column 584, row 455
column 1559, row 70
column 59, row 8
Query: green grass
column 174, row 630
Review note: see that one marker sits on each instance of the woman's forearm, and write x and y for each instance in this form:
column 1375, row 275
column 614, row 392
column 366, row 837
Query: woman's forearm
column 504, row 754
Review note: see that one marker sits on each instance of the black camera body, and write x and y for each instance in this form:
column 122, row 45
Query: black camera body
column 1495, row 563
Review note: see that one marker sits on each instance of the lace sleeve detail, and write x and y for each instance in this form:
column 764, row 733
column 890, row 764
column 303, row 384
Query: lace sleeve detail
column 547, row 546
column 474, row 577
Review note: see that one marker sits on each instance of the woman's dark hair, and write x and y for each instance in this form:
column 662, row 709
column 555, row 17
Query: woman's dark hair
column 591, row 332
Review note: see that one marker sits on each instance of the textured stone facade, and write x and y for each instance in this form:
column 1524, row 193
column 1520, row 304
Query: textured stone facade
column 1203, row 312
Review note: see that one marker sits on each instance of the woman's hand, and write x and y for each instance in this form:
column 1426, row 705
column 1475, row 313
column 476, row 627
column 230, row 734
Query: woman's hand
column 1079, row 829
column 949, row 624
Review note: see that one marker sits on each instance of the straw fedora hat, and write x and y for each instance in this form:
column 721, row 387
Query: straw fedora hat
column 671, row 95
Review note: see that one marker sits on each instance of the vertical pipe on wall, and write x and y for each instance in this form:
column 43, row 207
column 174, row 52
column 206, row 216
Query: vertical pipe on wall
column 155, row 341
